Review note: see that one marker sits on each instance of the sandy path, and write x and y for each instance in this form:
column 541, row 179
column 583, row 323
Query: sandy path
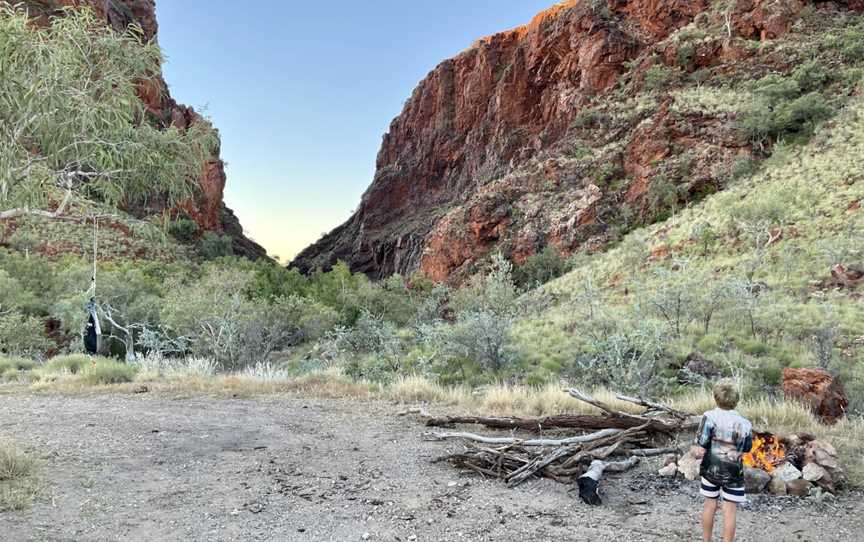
column 156, row 467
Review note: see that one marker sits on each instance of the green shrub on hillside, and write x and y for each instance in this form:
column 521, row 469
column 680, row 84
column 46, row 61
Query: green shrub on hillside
column 659, row 78
column 540, row 268
column 184, row 230
column 789, row 106
column 213, row 246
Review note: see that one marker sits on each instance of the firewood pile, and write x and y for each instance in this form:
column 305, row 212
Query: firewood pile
column 613, row 441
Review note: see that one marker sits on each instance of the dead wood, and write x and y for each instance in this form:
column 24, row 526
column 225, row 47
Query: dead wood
column 529, row 442
column 564, row 421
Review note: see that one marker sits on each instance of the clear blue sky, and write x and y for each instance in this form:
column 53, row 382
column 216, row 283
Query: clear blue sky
column 302, row 92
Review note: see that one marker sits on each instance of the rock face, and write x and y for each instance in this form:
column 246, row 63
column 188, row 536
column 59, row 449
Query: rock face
column 506, row 147
column 208, row 207
column 819, row 390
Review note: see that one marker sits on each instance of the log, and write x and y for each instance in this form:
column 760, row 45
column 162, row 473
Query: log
column 652, row 452
column 564, row 421
column 529, row 442
column 635, row 419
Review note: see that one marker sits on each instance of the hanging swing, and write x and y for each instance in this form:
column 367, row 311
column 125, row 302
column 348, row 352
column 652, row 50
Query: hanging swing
column 93, row 328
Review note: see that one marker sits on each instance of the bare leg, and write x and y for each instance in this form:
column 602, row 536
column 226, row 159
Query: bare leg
column 708, row 512
column 730, row 511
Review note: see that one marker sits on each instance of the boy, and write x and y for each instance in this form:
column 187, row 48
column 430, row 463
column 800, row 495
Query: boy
column 723, row 438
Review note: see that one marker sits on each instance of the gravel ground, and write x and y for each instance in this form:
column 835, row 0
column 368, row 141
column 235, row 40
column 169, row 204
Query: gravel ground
column 158, row 467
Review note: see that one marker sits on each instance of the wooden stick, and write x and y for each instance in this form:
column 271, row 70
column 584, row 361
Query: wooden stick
column 651, row 405
column 529, row 442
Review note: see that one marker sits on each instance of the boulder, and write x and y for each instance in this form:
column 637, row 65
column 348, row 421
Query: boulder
column 755, row 480
column 698, row 365
column 688, row 465
column 669, row 470
column 776, row 486
column 788, row 472
column 821, row 391
column 798, row 488
column 813, row 472
column 821, row 453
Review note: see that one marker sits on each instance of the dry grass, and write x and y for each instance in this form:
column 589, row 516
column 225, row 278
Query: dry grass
column 18, row 481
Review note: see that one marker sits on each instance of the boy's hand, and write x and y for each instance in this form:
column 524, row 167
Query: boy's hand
column 697, row 451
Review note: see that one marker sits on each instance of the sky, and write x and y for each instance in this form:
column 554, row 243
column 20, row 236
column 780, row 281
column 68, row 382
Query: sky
column 303, row 91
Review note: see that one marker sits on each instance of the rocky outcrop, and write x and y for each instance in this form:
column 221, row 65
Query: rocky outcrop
column 821, row 391
column 496, row 149
column 208, row 207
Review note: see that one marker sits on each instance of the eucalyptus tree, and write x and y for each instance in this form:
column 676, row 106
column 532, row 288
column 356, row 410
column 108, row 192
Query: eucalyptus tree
column 72, row 126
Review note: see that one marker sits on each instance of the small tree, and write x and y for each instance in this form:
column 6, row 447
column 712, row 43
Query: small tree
column 674, row 299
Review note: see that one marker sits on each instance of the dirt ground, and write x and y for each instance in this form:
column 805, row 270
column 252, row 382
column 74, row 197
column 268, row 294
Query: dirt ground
column 156, row 467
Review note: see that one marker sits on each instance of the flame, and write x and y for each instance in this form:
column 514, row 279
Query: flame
column 767, row 452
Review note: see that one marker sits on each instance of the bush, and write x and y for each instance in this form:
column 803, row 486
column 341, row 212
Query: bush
column 849, row 43
column 18, row 478
column 15, row 364
column 658, row 78
column 540, row 268
column 213, row 246
column 184, row 230
column 107, row 371
column 222, row 323
column 626, row 360
column 22, row 335
column 480, row 336
column 71, row 364
column 786, row 106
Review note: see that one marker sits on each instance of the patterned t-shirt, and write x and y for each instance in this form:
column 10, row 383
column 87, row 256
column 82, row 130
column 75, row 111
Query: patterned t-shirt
column 726, row 437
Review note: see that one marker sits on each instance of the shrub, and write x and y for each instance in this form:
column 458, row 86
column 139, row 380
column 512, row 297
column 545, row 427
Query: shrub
column 213, row 246
column 15, row 364
column 184, row 230
column 627, row 359
column 786, row 106
column 18, row 480
column 222, row 323
column 107, row 371
column 850, row 43
column 22, row 335
column 480, row 336
column 540, row 268
column 658, row 78
column 589, row 117
column 71, row 364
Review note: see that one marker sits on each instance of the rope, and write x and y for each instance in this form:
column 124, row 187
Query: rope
column 95, row 251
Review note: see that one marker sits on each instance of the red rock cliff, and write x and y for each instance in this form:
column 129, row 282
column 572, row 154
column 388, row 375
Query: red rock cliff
column 486, row 154
column 208, row 207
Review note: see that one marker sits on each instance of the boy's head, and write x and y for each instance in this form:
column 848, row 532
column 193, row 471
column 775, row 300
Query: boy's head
column 726, row 394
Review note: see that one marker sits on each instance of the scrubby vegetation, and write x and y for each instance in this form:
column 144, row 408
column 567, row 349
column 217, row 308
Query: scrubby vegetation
column 19, row 485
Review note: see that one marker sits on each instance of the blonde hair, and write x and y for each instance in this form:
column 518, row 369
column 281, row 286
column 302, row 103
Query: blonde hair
column 726, row 394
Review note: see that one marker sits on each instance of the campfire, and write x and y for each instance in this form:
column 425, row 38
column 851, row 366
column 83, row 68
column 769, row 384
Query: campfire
column 767, row 453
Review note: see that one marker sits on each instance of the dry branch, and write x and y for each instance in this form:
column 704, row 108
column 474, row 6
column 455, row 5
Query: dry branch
column 564, row 421
column 529, row 442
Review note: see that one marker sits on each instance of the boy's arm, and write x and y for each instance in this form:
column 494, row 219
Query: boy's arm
column 747, row 445
column 703, row 437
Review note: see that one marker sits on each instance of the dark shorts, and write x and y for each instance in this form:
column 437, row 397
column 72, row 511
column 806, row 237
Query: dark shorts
column 727, row 493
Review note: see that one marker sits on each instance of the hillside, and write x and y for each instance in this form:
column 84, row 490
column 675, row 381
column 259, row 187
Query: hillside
column 205, row 206
column 595, row 118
